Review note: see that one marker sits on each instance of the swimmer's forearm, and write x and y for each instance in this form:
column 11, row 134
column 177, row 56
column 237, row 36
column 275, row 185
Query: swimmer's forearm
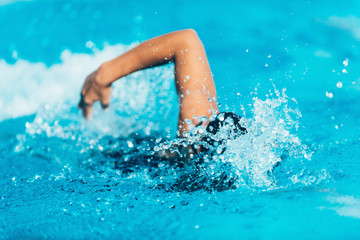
column 154, row 52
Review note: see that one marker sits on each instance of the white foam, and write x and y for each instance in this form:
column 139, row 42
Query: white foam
column 349, row 206
column 26, row 86
column 350, row 24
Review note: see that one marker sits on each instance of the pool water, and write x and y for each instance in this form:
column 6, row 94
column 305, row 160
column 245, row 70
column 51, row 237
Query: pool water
column 289, row 67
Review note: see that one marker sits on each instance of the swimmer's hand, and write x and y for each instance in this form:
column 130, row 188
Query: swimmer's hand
column 94, row 90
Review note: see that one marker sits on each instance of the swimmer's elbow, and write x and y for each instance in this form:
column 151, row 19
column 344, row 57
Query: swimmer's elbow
column 190, row 34
column 188, row 37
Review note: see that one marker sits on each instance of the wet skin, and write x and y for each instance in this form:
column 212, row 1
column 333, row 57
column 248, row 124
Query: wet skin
column 193, row 78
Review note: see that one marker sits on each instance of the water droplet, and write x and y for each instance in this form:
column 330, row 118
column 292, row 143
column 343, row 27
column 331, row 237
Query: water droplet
column 15, row 54
column 346, row 62
column 89, row 44
column 339, row 85
column 196, row 226
column 130, row 144
column 187, row 92
column 344, row 71
column 266, row 65
column 329, row 94
column 187, row 77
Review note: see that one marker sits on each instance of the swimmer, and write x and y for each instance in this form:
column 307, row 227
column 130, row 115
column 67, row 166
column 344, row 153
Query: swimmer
column 193, row 79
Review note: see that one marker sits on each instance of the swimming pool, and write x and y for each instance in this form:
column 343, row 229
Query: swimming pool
column 289, row 67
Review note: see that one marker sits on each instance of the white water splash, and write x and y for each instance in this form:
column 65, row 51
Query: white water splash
column 271, row 135
column 27, row 88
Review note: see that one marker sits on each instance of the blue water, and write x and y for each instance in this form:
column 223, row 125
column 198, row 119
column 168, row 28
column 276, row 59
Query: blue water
column 289, row 67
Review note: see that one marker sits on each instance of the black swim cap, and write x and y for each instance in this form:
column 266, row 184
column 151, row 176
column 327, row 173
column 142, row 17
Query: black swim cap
column 232, row 123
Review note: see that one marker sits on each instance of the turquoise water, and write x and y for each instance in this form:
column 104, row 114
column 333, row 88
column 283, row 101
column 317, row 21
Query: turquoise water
column 289, row 67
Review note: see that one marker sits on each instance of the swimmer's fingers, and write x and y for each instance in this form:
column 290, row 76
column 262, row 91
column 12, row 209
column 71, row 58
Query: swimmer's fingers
column 105, row 98
column 91, row 92
column 84, row 92
column 81, row 103
column 86, row 105
column 87, row 110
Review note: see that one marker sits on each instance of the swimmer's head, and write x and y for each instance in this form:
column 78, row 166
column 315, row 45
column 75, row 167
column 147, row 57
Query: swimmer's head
column 226, row 122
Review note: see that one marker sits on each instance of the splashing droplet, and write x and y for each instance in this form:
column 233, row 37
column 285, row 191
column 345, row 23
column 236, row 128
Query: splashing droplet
column 329, row 94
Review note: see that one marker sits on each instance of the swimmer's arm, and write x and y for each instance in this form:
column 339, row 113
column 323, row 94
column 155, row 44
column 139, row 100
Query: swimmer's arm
column 184, row 48
column 180, row 46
